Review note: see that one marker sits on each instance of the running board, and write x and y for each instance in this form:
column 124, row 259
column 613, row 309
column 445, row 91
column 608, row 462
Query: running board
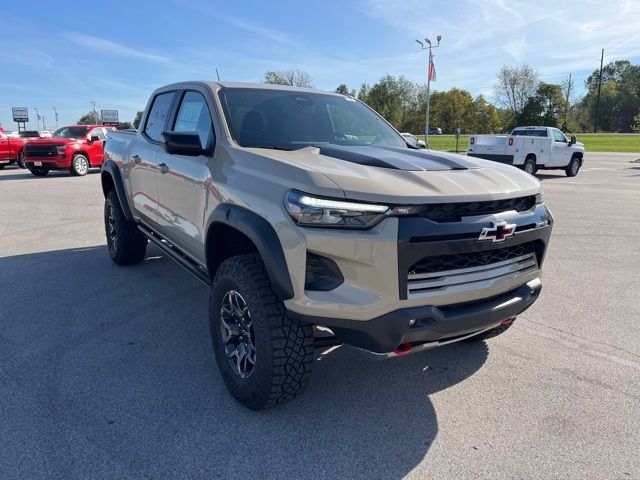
column 176, row 255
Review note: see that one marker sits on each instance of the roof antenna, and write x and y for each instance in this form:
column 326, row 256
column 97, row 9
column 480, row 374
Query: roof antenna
column 217, row 73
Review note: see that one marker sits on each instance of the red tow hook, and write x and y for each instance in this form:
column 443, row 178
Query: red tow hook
column 507, row 321
column 403, row 349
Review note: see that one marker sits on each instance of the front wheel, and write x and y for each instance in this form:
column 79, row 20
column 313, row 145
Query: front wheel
column 21, row 160
column 573, row 168
column 79, row 165
column 264, row 357
column 126, row 243
column 39, row 172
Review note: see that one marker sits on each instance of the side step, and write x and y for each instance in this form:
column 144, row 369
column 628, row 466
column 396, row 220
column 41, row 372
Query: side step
column 175, row 254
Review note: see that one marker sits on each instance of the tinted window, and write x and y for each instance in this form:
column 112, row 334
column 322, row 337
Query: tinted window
column 71, row 132
column 194, row 116
column 292, row 120
column 528, row 133
column 158, row 115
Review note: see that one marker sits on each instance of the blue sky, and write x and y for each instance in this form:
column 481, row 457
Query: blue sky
column 65, row 54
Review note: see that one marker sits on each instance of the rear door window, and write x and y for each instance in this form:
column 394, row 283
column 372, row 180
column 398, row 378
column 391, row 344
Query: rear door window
column 158, row 115
column 522, row 132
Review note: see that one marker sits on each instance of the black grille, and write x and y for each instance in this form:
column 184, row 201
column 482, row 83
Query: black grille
column 452, row 212
column 443, row 263
column 40, row 151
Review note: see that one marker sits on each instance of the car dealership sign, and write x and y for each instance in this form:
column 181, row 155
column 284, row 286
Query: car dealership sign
column 20, row 114
column 110, row 117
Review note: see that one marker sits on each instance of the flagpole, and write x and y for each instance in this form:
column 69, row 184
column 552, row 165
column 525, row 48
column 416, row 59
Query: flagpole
column 429, row 71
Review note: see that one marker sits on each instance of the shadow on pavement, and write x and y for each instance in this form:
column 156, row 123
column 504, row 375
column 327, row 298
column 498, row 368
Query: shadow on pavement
column 107, row 372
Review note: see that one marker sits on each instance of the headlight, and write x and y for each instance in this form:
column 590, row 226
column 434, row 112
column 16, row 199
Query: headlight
column 310, row 211
column 62, row 149
column 539, row 197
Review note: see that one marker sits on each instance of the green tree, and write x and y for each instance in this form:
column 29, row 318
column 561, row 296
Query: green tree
column 636, row 123
column 124, row 125
column 344, row 90
column 294, row 78
column 138, row 119
column 545, row 107
column 89, row 118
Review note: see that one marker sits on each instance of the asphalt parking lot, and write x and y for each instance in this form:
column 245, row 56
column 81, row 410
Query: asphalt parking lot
column 107, row 372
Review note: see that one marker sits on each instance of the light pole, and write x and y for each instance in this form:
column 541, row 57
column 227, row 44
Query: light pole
column 95, row 115
column 56, row 115
column 37, row 119
column 431, row 74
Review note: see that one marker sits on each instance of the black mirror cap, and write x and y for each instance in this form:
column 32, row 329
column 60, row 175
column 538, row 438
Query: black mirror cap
column 94, row 138
column 573, row 140
column 182, row 143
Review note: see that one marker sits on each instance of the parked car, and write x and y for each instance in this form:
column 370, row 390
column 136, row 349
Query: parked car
column 11, row 149
column 413, row 140
column 530, row 148
column 46, row 133
column 303, row 209
column 30, row 134
column 435, row 131
column 75, row 148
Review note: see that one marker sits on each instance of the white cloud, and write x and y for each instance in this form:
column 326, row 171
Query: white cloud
column 109, row 46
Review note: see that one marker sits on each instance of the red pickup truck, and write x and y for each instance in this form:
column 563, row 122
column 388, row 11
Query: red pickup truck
column 11, row 149
column 75, row 148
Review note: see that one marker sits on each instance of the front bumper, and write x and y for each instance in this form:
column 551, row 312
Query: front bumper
column 49, row 163
column 417, row 326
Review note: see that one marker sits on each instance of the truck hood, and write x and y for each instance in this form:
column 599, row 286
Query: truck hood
column 406, row 176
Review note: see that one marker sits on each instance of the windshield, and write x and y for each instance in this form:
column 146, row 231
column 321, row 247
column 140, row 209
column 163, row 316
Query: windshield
column 290, row 120
column 71, row 132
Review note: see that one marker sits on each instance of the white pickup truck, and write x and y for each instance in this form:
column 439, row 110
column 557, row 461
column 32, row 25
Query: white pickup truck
column 530, row 148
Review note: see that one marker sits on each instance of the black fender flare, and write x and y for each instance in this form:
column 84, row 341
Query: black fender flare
column 264, row 237
column 110, row 169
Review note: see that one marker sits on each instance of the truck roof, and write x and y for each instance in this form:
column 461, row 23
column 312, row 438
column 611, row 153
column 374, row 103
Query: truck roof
column 262, row 86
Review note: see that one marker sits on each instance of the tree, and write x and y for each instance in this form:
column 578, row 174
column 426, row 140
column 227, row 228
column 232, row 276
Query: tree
column 89, row 118
column 137, row 120
column 515, row 86
column 124, row 125
column 344, row 90
column 363, row 93
column 636, row 123
column 546, row 107
column 294, row 78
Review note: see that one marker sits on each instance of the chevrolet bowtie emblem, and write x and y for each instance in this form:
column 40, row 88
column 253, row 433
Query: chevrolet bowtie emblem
column 499, row 232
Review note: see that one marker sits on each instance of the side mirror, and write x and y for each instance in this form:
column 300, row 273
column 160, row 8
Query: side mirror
column 94, row 138
column 573, row 140
column 182, row 143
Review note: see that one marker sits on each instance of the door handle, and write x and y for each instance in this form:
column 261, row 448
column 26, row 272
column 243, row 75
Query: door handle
column 136, row 159
column 163, row 168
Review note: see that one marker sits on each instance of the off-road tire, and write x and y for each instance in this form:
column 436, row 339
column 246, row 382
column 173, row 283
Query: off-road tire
column 39, row 172
column 494, row 332
column 530, row 166
column 129, row 245
column 20, row 160
column 573, row 168
column 79, row 165
column 283, row 347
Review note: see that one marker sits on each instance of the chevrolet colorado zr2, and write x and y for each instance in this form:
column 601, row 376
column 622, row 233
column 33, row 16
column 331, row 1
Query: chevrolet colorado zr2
column 301, row 210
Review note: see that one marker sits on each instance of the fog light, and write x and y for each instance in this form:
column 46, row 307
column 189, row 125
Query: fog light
column 412, row 322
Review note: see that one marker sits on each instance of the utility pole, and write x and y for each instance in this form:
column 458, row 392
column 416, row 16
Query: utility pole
column 566, row 105
column 217, row 74
column 37, row 119
column 430, row 75
column 56, row 115
column 595, row 125
column 95, row 114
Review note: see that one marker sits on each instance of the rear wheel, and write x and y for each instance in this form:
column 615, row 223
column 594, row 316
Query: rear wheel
column 264, row 357
column 126, row 243
column 79, row 165
column 573, row 168
column 529, row 166
column 39, row 172
column 2, row 165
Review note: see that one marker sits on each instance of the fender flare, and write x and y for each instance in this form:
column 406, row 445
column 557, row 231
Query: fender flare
column 109, row 168
column 264, row 237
